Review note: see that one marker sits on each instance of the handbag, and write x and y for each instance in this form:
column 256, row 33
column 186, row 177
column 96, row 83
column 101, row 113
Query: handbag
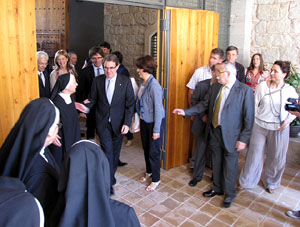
column 135, row 124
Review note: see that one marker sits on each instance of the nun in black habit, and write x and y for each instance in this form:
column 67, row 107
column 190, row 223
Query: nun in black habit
column 64, row 87
column 17, row 206
column 24, row 154
column 85, row 191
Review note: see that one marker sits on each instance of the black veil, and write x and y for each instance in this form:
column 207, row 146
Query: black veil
column 26, row 138
column 85, row 186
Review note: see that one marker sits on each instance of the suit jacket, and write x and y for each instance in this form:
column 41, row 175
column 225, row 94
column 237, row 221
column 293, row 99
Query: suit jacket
column 240, row 72
column 237, row 116
column 202, row 87
column 44, row 90
column 121, row 108
column 85, row 81
column 122, row 70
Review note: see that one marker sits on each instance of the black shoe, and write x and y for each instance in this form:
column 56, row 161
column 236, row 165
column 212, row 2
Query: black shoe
column 227, row 201
column 122, row 163
column 194, row 182
column 112, row 192
column 211, row 193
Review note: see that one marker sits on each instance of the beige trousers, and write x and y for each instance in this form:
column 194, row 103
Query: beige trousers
column 275, row 145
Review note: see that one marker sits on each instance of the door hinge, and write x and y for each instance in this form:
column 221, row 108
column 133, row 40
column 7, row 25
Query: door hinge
column 164, row 25
column 165, row 90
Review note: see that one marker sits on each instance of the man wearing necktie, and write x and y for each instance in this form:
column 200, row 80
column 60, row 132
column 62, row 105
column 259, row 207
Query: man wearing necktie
column 230, row 106
column 113, row 97
column 43, row 76
column 85, row 81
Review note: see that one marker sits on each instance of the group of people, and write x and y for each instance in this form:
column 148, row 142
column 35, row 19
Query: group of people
column 74, row 194
column 234, row 109
column 72, row 179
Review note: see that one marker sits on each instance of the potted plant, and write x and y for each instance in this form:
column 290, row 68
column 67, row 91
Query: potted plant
column 294, row 80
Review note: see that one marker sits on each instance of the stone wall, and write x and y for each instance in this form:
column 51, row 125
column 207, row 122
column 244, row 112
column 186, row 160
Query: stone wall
column 276, row 30
column 125, row 28
column 193, row 4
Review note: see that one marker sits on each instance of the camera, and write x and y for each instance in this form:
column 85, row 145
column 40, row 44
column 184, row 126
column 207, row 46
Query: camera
column 294, row 105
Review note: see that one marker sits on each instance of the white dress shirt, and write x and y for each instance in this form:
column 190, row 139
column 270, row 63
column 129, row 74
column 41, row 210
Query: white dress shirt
column 226, row 93
column 96, row 70
column 200, row 74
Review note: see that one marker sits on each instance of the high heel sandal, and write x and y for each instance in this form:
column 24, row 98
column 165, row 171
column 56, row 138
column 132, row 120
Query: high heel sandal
column 151, row 187
column 240, row 188
column 145, row 178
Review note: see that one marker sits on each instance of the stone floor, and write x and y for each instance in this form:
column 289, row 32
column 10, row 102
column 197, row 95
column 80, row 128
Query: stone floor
column 176, row 204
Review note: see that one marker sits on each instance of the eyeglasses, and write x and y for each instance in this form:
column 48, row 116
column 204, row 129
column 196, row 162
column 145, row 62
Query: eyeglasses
column 109, row 68
column 59, row 125
column 96, row 58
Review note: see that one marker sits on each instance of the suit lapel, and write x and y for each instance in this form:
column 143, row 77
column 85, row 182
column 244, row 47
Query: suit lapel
column 117, row 91
column 93, row 71
column 103, row 88
column 216, row 92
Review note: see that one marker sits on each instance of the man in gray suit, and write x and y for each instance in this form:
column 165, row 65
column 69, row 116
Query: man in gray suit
column 230, row 106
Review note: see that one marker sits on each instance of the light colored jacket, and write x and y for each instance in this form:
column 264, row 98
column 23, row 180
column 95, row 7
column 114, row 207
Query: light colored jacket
column 150, row 106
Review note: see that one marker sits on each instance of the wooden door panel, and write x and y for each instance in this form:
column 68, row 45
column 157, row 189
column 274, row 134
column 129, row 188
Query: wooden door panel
column 193, row 34
column 52, row 27
column 19, row 81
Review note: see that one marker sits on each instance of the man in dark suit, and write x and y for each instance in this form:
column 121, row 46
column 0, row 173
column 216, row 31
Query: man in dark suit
column 232, row 54
column 113, row 97
column 198, row 129
column 85, row 81
column 44, row 83
column 230, row 106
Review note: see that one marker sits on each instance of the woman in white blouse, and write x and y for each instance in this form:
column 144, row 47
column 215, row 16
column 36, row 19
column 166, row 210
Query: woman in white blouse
column 270, row 132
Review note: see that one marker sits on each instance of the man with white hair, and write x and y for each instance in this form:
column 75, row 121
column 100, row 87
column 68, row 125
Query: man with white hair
column 230, row 106
column 44, row 83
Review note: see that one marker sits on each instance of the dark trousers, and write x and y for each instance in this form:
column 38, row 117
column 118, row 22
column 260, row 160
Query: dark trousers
column 152, row 148
column 224, row 164
column 91, row 124
column 111, row 144
column 200, row 157
column 129, row 136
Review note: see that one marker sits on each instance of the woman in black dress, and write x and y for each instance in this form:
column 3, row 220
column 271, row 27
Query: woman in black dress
column 70, row 131
column 24, row 154
column 13, row 194
column 84, row 185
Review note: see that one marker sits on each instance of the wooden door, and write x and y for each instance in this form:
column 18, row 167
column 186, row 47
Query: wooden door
column 18, row 64
column 186, row 46
column 52, row 26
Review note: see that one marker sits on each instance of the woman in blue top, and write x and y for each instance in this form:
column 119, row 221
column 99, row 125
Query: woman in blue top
column 149, row 106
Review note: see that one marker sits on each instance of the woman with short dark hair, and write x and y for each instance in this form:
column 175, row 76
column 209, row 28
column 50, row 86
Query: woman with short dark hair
column 150, row 108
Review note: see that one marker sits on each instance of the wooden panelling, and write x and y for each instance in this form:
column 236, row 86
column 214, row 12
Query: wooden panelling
column 52, row 25
column 19, row 81
column 193, row 34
